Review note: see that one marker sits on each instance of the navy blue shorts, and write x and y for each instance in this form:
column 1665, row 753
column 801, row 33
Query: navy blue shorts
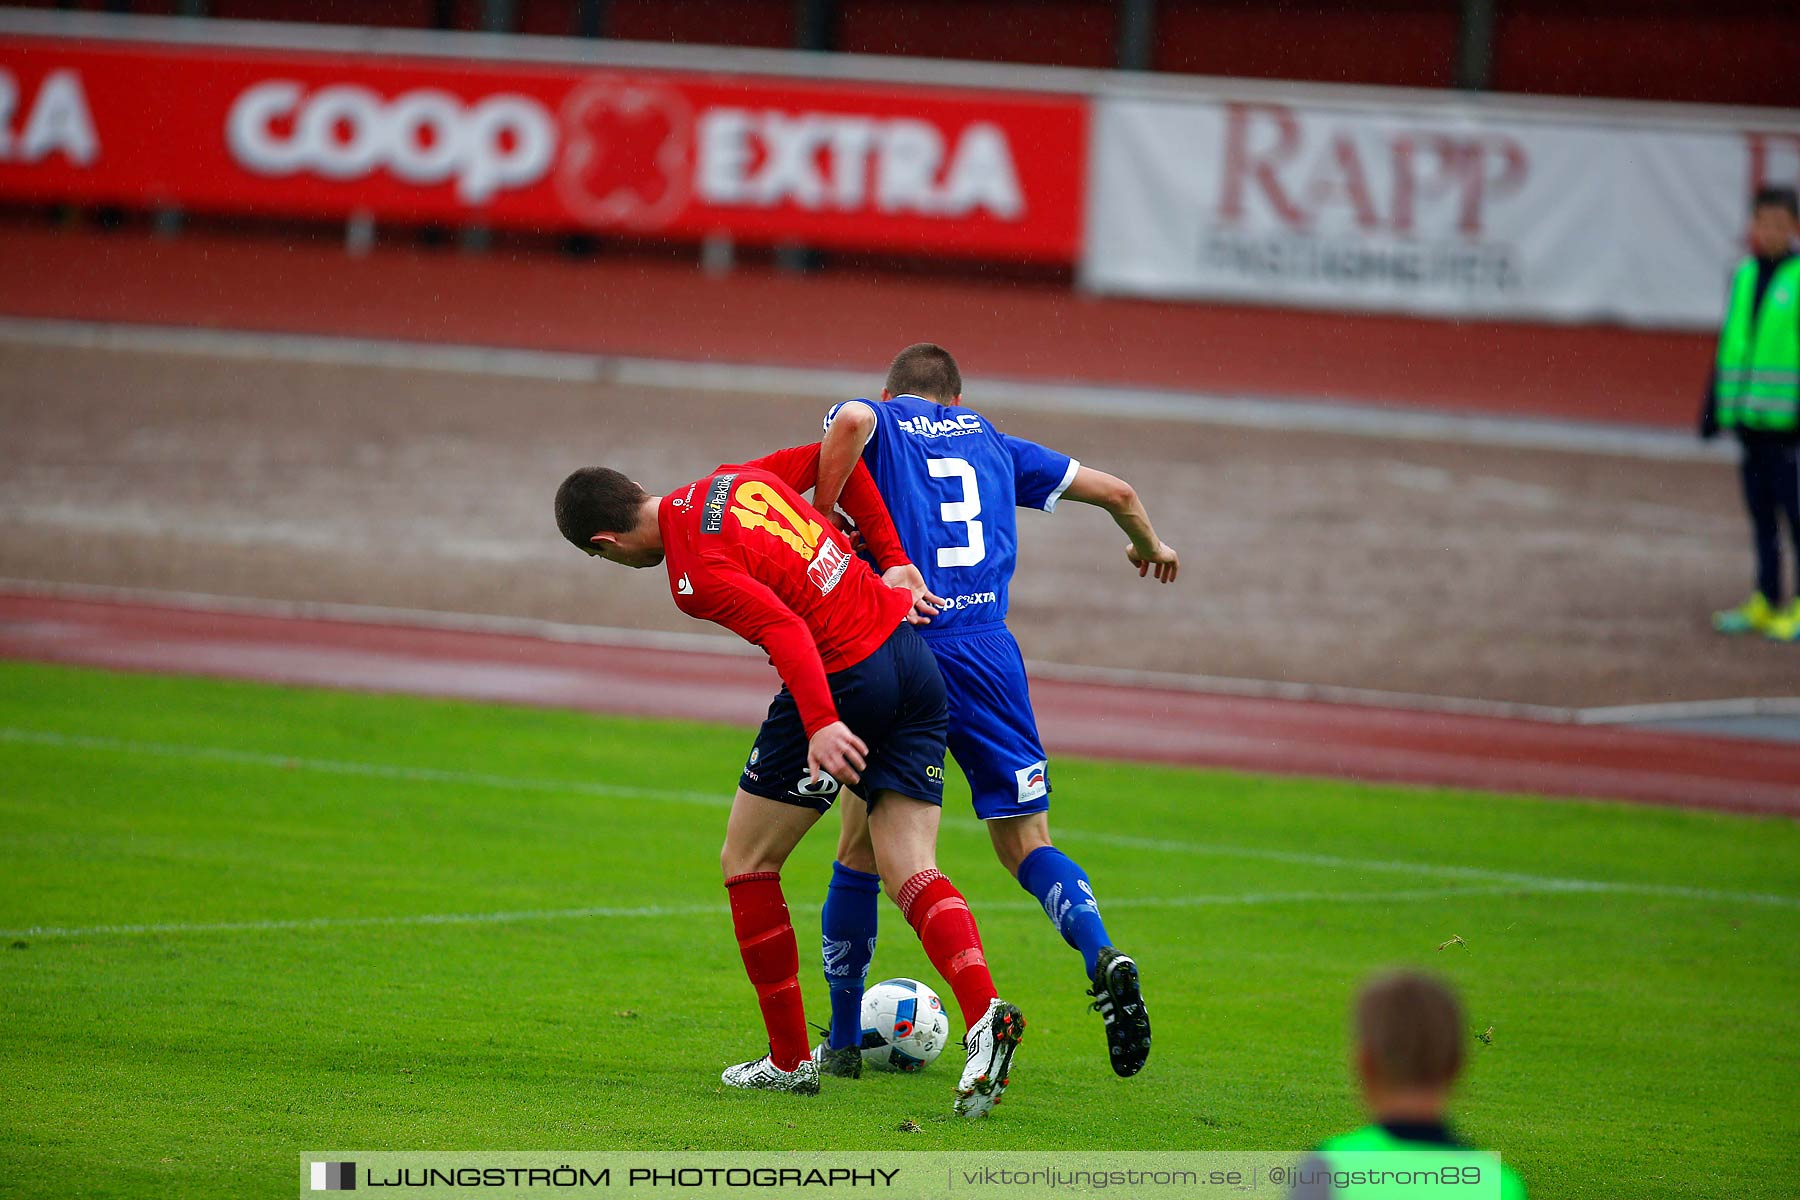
column 893, row 700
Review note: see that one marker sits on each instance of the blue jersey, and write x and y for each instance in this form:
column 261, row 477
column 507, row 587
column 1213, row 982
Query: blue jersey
column 952, row 482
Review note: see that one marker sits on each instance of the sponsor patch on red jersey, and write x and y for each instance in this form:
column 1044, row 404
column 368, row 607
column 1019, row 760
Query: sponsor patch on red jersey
column 712, row 520
column 828, row 566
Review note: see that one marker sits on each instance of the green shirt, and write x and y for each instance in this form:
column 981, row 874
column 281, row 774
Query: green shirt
column 1405, row 1150
column 1759, row 351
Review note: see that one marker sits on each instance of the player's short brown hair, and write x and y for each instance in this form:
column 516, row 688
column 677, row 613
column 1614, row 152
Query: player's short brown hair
column 596, row 500
column 1411, row 1025
column 925, row 369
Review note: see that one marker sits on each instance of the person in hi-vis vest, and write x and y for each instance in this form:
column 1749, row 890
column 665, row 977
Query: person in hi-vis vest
column 1409, row 1051
column 1756, row 392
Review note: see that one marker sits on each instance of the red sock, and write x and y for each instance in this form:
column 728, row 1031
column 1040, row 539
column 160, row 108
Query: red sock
column 940, row 916
column 765, row 938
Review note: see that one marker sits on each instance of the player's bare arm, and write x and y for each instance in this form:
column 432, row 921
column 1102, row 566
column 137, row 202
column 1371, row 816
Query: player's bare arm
column 1147, row 552
column 855, row 488
column 839, row 452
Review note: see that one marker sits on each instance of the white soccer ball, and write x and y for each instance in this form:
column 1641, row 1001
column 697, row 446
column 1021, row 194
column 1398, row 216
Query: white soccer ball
column 904, row 1026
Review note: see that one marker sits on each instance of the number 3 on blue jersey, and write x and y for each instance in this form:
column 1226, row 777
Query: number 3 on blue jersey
column 952, row 483
column 960, row 512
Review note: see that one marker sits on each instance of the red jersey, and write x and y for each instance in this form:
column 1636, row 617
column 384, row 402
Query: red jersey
column 745, row 551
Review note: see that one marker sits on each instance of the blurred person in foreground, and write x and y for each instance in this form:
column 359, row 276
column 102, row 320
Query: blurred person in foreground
column 1408, row 1053
column 1756, row 391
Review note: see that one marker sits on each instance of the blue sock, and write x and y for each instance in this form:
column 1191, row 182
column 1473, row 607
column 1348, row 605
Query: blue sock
column 1062, row 887
column 848, row 926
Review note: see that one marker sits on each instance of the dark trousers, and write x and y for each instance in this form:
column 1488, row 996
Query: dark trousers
column 1771, row 488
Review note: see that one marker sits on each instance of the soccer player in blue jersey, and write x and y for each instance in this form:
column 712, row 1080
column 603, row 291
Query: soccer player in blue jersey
column 952, row 482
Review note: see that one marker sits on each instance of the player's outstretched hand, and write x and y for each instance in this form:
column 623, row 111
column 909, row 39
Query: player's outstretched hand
column 1165, row 561
column 836, row 752
column 925, row 605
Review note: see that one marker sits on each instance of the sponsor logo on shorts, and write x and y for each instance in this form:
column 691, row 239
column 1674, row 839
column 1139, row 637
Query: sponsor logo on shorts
column 828, row 566
column 684, row 588
column 712, row 517
column 826, row 786
column 1034, row 782
column 936, row 773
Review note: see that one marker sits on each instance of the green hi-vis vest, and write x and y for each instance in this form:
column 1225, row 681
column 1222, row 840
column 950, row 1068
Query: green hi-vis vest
column 1759, row 356
column 1401, row 1163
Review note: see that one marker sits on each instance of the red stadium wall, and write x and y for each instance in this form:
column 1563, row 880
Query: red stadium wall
column 765, row 23
column 1704, row 51
column 401, row 13
column 1066, row 33
column 1397, row 43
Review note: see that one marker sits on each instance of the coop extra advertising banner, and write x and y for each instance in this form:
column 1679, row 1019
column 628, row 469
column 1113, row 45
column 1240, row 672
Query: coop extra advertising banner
column 555, row 147
column 1441, row 209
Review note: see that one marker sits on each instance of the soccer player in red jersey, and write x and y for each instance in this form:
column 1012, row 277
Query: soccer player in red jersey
column 863, row 705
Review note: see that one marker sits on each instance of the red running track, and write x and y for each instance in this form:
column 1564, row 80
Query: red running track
column 639, row 306
column 1276, row 736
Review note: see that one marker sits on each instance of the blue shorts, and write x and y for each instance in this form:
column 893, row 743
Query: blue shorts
column 993, row 734
column 893, row 700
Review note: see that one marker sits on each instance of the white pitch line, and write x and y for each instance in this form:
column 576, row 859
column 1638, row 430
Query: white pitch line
column 1502, row 880
column 308, row 923
column 1341, row 417
column 604, row 912
column 252, row 758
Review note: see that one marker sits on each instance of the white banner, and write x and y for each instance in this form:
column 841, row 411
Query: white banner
column 1444, row 211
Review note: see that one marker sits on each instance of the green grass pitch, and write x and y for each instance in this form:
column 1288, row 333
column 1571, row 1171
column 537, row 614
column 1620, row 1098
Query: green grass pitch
column 243, row 922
